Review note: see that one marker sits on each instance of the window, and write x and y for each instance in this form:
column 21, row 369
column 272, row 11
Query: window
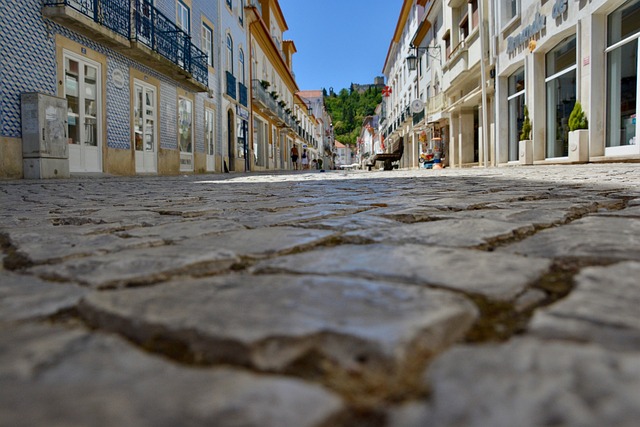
column 184, row 18
column 510, row 10
column 241, row 13
column 185, row 122
column 447, row 44
column 230, row 4
column 464, row 23
column 515, row 101
column 209, row 131
column 623, row 27
column 207, row 43
column 561, row 95
column 229, row 54
column 241, row 65
column 474, row 13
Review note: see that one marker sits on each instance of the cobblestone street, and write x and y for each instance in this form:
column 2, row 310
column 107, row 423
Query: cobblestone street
column 459, row 297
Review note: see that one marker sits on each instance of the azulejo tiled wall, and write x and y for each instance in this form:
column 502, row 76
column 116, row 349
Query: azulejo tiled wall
column 28, row 60
column 29, row 65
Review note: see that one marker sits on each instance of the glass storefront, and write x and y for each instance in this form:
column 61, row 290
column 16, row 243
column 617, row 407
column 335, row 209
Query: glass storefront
column 623, row 31
column 515, row 101
column 561, row 95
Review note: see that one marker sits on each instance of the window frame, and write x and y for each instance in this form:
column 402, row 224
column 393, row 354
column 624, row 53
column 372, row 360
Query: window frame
column 182, row 6
column 208, row 43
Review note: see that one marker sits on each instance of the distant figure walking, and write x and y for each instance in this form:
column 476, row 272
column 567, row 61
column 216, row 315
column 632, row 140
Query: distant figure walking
column 294, row 157
column 305, row 159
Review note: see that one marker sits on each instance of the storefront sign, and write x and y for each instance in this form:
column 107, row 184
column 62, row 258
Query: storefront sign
column 559, row 7
column 522, row 39
column 242, row 113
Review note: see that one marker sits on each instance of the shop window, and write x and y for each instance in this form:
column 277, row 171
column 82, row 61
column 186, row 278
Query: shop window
column 561, row 95
column 185, row 125
column 623, row 31
column 515, row 101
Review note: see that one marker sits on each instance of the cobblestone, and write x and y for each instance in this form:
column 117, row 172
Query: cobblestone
column 455, row 297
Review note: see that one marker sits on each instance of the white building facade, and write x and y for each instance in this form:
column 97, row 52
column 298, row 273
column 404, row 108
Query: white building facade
column 552, row 54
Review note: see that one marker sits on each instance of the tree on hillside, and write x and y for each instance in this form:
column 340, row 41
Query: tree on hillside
column 348, row 110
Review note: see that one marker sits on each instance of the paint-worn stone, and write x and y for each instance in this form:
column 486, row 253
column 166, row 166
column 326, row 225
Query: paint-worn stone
column 23, row 297
column 50, row 376
column 495, row 276
column 353, row 334
column 604, row 308
column 596, row 237
column 528, row 383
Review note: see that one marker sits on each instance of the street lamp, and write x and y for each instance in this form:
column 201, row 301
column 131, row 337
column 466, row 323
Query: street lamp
column 412, row 59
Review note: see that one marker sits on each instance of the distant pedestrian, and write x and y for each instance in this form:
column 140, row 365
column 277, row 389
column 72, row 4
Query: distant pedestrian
column 320, row 164
column 294, row 157
column 305, row 159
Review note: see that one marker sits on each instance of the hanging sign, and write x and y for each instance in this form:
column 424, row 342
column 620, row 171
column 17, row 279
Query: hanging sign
column 386, row 91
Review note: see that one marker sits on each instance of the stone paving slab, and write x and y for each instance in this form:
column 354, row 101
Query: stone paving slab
column 492, row 275
column 528, row 383
column 53, row 244
column 353, row 330
column 533, row 324
column 137, row 267
column 597, row 237
column 52, row 376
column 604, row 308
column 23, row 297
column 468, row 233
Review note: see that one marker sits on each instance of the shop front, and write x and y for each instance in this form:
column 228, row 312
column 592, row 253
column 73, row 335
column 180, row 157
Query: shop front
column 564, row 53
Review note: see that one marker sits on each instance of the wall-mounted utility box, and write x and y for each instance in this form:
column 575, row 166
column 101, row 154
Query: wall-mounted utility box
column 45, row 153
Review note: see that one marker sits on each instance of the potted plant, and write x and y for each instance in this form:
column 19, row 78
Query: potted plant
column 274, row 95
column 525, row 145
column 281, row 103
column 265, row 84
column 578, row 134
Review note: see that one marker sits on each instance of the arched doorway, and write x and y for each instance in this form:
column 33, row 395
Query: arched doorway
column 231, row 140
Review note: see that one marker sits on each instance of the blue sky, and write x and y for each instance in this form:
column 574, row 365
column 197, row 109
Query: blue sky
column 339, row 42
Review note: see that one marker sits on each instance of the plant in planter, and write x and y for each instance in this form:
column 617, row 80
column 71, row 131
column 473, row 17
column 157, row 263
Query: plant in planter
column 288, row 110
column 274, row 95
column 525, row 146
column 265, row 84
column 281, row 103
column 578, row 134
column 577, row 118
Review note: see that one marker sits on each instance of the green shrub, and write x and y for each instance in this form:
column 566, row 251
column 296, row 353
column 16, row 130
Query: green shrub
column 526, row 125
column 577, row 119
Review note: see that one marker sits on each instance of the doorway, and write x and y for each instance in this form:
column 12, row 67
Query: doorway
column 82, row 89
column 144, row 127
column 231, row 143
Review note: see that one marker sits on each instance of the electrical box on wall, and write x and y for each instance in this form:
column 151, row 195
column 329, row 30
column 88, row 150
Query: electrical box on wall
column 45, row 153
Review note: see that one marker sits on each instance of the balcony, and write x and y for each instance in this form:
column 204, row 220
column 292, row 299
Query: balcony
column 231, row 85
column 242, row 95
column 149, row 38
column 269, row 105
column 436, row 104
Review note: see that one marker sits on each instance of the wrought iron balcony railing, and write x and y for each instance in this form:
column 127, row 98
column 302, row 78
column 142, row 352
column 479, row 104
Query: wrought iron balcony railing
column 113, row 14
column 231, row 85
column 149, row 27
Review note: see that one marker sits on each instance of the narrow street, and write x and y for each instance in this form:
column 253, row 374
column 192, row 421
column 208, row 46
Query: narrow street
column 454, row 297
